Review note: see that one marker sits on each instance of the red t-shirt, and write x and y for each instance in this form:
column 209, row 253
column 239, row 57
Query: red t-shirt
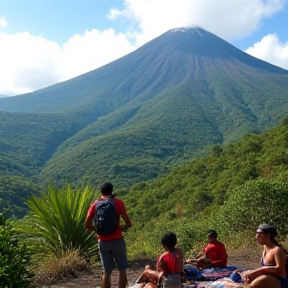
column 170, row 262
column 120, row 209
column 216, row 252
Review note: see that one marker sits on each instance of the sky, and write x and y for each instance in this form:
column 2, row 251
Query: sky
column 44, row 42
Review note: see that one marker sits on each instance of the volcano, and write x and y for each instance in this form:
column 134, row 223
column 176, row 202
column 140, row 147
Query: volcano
column 160, row 105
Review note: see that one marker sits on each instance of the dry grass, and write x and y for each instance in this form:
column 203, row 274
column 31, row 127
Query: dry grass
column 53, row 268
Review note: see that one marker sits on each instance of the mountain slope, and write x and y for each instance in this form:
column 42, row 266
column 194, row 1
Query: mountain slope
column 161, row 104
column 28, row 140
column 236, row 186
column 162, row 63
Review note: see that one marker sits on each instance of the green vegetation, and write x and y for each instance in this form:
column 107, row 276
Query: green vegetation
column 28, row 140
column 255, row 202
column 154, row 123
column 258, row 201
column 142, row 142
column 215, row 191
column 14, row 191
column 233, row 189
column 14, row 258
column 55, row 221
column 139, row 116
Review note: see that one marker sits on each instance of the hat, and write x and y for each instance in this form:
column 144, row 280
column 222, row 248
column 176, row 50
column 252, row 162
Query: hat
column 266, row 228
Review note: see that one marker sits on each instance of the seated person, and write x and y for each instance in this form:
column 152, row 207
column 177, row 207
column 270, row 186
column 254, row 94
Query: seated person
column 169, row 265
column 214, row 254
column 272, row 272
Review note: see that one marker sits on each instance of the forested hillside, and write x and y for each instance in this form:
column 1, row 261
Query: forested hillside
column 27, row 141
column 233, row 189
column 136, row 118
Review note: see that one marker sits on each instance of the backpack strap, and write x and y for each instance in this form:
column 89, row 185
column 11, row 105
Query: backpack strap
column 103, row 200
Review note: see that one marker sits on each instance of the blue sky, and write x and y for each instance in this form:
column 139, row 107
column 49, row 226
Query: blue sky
column 43, row 42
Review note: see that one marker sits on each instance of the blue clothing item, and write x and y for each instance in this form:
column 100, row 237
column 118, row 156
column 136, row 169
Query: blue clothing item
column 191, row 272
column 236, row 277
column 283, row 281
column 113, row 255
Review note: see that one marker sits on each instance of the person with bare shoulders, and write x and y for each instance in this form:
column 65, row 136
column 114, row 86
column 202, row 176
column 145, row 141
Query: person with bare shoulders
column 112, row 246
column 272, row 273
column 169, row 265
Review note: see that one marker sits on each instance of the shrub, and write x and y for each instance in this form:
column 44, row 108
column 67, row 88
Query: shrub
column 255, row 202
column 54, row 267
column 56, row 220
column 14, row 258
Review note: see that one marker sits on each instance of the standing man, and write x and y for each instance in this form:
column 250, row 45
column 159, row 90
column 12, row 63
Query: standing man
column 112, row 246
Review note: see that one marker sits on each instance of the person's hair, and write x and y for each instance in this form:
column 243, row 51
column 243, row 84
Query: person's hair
column 106, row 188
column 212, row 233
column 271, row 230
column 169, row 239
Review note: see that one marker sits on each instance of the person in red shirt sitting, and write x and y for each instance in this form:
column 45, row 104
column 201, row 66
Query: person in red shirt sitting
column 215, row 252
column 169, row 265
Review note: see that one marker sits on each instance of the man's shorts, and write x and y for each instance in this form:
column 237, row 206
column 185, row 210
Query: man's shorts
column 113, row 255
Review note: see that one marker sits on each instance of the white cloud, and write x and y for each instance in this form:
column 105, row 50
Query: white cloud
column 83, row 53
column 272, row 50
column 225, row 18
column 3, row 22
column 28, row 63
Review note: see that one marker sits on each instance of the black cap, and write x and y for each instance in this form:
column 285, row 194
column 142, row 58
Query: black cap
column 267, row 228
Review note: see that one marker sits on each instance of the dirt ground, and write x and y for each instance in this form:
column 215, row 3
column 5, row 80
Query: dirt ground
column 247, row 258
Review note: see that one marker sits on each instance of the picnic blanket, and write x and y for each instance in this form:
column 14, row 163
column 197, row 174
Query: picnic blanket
column 225, row 283
column 196, row 284
column 208, row 274
column 207, row 278
column 229, row 283
column 218, row 273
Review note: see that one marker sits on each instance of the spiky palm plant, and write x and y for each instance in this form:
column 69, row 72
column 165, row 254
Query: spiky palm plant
column 57, row 220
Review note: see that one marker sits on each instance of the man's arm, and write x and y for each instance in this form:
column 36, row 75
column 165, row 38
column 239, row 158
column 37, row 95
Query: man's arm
column 277, row 270
column 127, row 220
column 89, row 219
column 89, row 223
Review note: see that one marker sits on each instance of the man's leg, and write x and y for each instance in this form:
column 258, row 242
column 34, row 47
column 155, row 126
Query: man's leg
column 120, row 257
column 107, row 263
column 106, row 280
column 122, row 279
